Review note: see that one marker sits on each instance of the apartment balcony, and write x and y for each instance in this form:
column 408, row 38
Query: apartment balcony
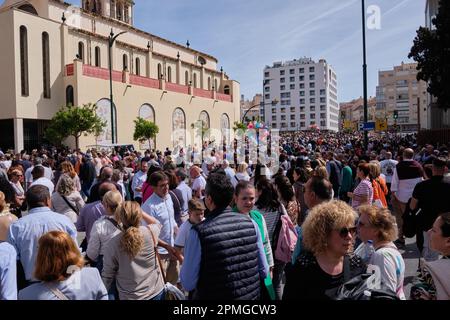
column 159, row 84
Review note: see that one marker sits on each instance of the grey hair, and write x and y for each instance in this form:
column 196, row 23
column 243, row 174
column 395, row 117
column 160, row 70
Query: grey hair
column 66, row 185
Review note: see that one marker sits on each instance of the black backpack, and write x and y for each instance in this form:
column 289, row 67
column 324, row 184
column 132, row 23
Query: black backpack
column 359, row 287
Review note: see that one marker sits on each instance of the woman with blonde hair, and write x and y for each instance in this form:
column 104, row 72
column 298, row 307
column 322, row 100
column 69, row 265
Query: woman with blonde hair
column 61, row 272
column 15, row 176
column 328, row 235
column 67, row 200
column 104, row 229
column 378, row 225
column 130, row 257
column 321, row 172
column 241, row 174
column 6, row 217
column 68, row 169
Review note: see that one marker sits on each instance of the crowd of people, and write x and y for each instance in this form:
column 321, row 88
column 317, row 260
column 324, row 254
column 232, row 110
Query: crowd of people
column 123, row 225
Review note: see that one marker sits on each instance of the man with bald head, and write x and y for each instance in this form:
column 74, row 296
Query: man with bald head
column 406, row 175
column 106, row 174
column 92, row 212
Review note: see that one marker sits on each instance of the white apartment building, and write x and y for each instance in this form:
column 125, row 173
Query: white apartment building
column 300, row 95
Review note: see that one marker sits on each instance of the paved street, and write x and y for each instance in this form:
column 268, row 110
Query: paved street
column 411, row 257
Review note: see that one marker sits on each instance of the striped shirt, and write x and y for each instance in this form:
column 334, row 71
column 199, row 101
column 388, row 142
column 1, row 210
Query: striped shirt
column 364, row 189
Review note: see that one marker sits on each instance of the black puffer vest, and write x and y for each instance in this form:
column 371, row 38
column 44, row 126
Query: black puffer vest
column 229, row 265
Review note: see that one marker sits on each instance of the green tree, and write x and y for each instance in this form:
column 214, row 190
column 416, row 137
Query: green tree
column 145, row 130
column 239, row 125
column 431, row 51
column 72, row 121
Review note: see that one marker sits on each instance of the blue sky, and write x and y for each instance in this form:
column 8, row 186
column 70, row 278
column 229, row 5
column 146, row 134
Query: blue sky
column 247, row 35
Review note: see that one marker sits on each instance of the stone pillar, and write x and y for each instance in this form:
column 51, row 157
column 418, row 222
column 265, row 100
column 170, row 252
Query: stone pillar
column 149, row 63
column 64, row 46
column 202, row 78
column 178, row 71
column 18, row 135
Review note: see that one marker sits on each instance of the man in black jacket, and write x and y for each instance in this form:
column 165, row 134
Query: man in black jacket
column 224, row 255
column 432, row 196
column 87, row 174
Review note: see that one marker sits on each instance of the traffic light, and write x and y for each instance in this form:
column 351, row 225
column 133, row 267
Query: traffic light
column 395, row 114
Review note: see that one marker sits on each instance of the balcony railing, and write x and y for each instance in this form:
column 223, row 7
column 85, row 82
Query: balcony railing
column 118, row 76
column 203, row 93
column 177, row 88
column 144, row 82
column 69, row 70
column 101, row 73
column 224, row 97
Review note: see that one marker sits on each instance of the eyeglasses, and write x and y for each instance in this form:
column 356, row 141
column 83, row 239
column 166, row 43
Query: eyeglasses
column 345, row 231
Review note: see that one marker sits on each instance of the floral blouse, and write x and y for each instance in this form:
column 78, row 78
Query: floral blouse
column 424, row 287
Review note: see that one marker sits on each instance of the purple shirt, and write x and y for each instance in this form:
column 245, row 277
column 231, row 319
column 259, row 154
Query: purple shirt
column 88, row 215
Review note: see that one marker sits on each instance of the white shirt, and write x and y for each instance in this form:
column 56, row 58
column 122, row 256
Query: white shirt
column 138, row 180
column 48, row 173
column 230, row 173
column 162, row 210
column 102, row 232
column 183, row 234
column 403, row 188
column 392, row 268
column 387, row 168
column 240, row 176
column 44, row 182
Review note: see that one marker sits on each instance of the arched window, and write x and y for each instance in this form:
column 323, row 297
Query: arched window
column 204, row 117
column 24, row 61
column 186, row 78
column 81, row 51
column 147, row 112
column 225, row 128
column 69, row 96
column 195, row 80
column 104, row 112
column 160, row 75
column 113, row 9
column 126, row 15
column 178, row 128
column 125, row 62
column 216, row 88
column 169, row 74
column 226, row 89
column 138, row 67
column 28, row 8
column 119, row 10
column 46, row 64
column 97, row 57
column 209, row 83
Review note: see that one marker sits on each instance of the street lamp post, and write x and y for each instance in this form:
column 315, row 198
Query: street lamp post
column 111, row 39
column 366, row 136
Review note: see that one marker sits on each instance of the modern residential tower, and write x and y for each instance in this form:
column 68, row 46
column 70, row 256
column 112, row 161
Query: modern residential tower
column 300, row 95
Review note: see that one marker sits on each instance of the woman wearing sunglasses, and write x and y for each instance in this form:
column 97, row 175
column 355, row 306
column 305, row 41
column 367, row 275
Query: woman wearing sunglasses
column 378, row 225
column 328, row 235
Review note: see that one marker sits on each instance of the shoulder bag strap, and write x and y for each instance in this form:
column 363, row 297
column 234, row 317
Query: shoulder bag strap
column 58, row 293
column 155, row 247
column 114, row 223
column 70, row 205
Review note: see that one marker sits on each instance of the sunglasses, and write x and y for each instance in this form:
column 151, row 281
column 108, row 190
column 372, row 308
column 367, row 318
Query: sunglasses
column 345, row 231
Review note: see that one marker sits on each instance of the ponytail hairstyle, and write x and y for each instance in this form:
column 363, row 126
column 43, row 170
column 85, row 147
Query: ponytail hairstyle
column 112, row 199
column 129, row 214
